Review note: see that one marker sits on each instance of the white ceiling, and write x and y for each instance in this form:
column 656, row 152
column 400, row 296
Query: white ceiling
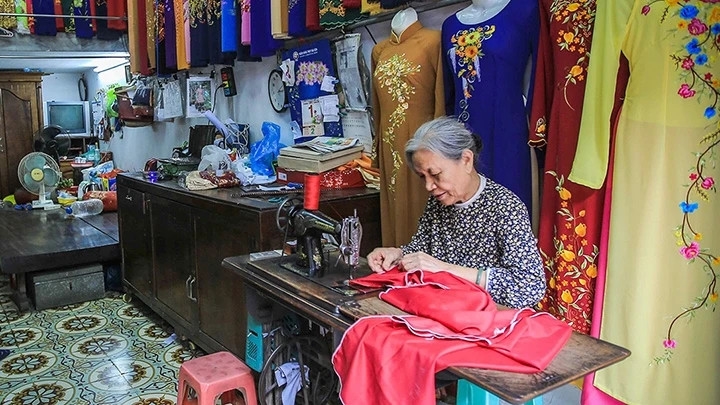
column 60, row 65
column 62, row 53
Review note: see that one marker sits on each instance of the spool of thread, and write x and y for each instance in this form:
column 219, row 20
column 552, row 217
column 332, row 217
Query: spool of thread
column 312, row 191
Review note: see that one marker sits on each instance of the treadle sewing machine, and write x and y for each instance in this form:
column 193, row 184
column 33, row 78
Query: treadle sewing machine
column 309, row 226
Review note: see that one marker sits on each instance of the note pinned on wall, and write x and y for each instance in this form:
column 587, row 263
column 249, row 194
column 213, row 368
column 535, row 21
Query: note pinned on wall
column 356, row 124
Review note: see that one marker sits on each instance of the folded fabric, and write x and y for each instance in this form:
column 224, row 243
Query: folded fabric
column 226, row 180
column 193, row 181
column 451, row 322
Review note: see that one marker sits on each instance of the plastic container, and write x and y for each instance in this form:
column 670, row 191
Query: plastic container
column 85, row 208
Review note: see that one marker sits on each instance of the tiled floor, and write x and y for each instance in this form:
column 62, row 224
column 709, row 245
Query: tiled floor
column 95, row 353
column 104, row 352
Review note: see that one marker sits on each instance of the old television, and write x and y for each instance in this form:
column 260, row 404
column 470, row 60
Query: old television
column 72, row 116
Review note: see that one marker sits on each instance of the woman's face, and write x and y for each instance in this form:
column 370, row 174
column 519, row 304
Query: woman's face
column 449, row 181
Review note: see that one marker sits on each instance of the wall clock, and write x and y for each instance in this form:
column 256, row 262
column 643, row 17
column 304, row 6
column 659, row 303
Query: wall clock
column 276, row 91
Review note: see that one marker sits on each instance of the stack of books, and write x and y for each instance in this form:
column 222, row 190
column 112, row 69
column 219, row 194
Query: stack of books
column 320, row 154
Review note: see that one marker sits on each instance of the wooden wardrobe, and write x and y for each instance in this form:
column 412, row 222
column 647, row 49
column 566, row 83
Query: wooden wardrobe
column 20, row 118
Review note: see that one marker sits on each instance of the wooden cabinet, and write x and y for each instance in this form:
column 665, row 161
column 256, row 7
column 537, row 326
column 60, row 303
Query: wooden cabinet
column 134, row 227
column 173, row 256
column 221, row 294
column 173, row 242
column 20, row 119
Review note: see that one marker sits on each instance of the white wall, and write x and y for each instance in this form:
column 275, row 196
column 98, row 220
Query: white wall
column 61, row 87
column 134, row 146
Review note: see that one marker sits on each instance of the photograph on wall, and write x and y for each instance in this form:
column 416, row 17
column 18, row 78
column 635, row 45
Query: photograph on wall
column 199, row 96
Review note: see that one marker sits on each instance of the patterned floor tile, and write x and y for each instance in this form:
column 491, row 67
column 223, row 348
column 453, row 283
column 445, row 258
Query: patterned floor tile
column 99, row 395
column 24, row 364
column 17, row 338
column 12, row 317
column 102, row 352
column 99, row 346
column 47, row 391
column 153, row 398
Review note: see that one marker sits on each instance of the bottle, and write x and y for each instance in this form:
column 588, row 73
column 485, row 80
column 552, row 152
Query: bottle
column 97, row 153
column 85, row 208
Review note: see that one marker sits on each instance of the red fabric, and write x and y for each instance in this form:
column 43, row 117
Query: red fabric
column 31, row 21
column 339, row 179
column 312, row 15
column 117, row 8
column 59, row 23
column 93, row 12
column 145, row 68
column 393, row 359
column 351, row 3
column 571, row 214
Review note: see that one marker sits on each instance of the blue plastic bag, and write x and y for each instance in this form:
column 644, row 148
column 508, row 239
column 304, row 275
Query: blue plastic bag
column 265, row 151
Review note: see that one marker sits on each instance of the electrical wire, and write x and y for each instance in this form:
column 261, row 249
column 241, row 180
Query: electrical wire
column 215, row 100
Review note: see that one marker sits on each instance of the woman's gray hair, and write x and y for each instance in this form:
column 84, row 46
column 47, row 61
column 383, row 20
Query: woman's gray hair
column 445, row 136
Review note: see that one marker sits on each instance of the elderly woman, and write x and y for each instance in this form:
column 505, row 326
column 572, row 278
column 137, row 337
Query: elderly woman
column 471, row 227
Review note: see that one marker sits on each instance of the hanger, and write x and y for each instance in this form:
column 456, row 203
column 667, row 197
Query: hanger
column 5, row 33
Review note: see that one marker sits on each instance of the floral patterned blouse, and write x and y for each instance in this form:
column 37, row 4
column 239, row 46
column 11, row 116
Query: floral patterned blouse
column 490, row 231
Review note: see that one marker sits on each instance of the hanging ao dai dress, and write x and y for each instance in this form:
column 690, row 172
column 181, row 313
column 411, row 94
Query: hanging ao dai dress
column 181, row 19
column 663, row 253
column 262, row 42
column 334, row 15
column 571, row 214
column 44, row 25
column 485, row 67
column 7, row 6
column 170, row 40
column 117, row 8
column 407, row 92
column 296, row 18
column 83, row 26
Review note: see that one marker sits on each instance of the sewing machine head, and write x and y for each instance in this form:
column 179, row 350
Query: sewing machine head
column 309, row 226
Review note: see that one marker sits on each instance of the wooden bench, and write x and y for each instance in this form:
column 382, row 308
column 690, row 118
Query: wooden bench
column 39, row 240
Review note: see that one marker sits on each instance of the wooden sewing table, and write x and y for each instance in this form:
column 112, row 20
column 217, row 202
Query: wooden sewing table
column 328, row 302
column 41, row 240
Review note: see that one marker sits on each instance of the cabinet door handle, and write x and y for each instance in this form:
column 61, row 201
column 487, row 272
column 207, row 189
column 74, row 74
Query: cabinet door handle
column 128, row 197
column 187, row 287
column 191, row 290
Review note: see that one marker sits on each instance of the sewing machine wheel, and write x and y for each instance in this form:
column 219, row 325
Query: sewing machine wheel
column 322, row 383
column 282, row 216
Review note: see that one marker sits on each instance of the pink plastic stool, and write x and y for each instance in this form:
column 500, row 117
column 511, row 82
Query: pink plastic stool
column 214, row 375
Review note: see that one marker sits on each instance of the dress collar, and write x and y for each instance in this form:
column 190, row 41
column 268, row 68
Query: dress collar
column 481, row 187
column 409, row 31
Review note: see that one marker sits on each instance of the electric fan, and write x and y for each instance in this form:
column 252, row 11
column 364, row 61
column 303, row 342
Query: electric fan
column 39, row 173
column 52, row 140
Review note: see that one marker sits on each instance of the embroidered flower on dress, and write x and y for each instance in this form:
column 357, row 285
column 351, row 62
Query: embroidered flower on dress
column 699, row 27
column 691, row 250
column 688, row 208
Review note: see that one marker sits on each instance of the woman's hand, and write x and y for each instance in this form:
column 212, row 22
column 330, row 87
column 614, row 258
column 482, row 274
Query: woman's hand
column 423, row 261
column 383, row 259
